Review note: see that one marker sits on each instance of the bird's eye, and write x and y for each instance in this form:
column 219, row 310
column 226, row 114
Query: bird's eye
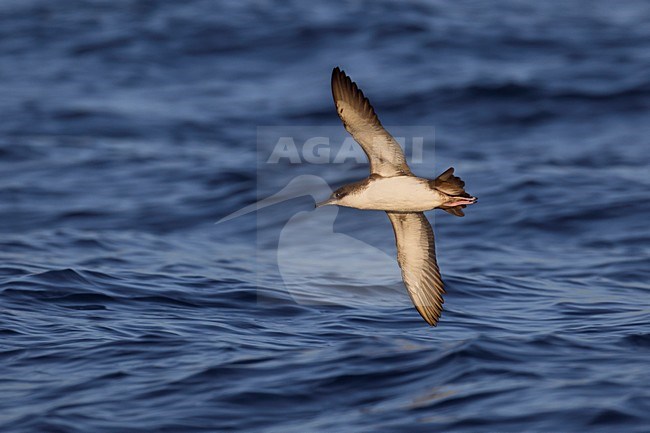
column 337, row 195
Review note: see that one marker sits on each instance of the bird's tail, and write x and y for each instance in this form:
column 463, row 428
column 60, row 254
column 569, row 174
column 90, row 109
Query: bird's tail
column 454, row 187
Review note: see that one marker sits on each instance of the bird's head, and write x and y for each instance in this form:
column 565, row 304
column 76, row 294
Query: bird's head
column 338, row 197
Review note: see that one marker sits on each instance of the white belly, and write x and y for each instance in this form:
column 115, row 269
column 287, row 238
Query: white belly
column 401, row 193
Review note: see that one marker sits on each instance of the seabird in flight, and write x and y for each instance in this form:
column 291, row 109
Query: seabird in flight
column 392, row 187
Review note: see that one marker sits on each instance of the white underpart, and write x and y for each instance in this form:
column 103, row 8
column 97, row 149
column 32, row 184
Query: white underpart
column 399, row 193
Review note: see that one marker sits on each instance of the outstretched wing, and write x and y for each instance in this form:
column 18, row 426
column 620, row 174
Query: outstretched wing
column 416, row 255
column 384, row 153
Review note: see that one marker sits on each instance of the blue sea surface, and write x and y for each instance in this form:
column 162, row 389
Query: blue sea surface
column 129, row 127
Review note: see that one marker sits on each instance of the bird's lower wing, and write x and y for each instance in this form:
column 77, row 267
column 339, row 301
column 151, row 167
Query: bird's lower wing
column 384, row 153
column 416, row 255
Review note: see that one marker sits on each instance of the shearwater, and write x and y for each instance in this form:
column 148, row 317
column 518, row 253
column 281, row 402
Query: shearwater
column 391, row 187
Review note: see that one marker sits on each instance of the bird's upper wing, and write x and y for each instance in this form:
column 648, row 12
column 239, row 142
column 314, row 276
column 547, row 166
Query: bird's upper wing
column 384, row 153
column 416, row 255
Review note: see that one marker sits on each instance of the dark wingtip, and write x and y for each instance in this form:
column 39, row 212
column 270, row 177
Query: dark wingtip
column 431, row 319
column 344, row 89
column 337, row 73
column 337, row 76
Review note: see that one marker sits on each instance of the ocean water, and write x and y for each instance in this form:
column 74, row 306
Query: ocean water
column 129, row 128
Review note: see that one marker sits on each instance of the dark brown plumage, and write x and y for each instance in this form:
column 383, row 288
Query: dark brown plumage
column 384, row 153
column 453, row 186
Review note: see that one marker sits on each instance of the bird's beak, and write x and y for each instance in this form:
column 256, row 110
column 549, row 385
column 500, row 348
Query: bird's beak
column 325, row 203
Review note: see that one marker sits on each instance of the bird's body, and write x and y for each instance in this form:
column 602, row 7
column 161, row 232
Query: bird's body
column 399, row 194
column 391, row 187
